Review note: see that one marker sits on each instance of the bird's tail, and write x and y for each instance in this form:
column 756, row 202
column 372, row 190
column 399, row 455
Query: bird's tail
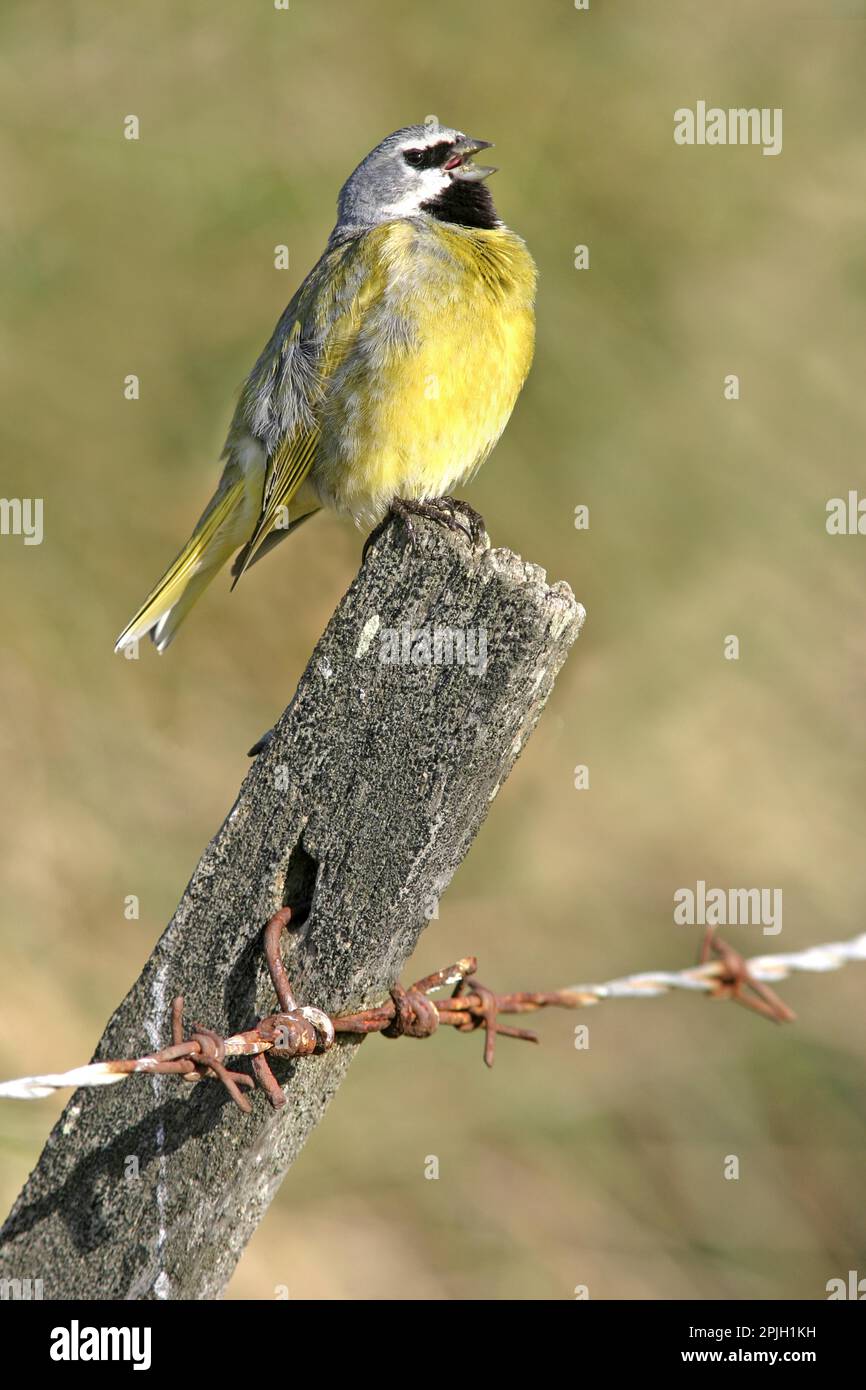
column 225, row 525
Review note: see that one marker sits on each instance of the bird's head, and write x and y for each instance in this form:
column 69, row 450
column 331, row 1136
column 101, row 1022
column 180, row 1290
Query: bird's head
column 419, row 169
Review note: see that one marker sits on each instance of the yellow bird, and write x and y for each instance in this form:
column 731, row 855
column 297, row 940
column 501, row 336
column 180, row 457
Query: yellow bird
column 389, row 377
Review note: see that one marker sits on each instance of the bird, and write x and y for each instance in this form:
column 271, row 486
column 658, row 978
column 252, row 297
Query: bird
column 389, row 377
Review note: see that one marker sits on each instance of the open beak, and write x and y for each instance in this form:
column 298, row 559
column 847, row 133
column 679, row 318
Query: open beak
column 458, row 162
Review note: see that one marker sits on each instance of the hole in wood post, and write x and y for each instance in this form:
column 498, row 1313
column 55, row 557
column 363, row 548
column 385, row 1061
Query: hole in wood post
column 299, row 883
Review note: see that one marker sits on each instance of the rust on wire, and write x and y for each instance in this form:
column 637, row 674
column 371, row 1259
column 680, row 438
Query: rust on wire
column 300, row 1031
column 735, row 981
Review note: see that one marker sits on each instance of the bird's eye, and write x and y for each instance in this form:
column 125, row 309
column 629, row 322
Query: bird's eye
column 431, row 157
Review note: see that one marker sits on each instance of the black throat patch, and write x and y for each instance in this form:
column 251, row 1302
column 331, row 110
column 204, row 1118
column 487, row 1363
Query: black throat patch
column 465, row 203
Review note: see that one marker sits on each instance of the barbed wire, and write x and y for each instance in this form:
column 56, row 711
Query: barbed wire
column 301, row 1030
column 649, row 985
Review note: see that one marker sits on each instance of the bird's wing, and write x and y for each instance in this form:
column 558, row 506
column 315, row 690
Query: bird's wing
column 284, row 398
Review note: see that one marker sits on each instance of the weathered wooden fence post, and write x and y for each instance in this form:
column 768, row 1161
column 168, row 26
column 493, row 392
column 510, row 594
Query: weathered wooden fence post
column 379, row 775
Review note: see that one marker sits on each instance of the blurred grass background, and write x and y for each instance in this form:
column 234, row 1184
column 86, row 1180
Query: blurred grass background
column 561, row 1167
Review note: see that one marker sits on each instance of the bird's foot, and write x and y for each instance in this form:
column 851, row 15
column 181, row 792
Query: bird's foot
column 450, row 512
column 472, row 522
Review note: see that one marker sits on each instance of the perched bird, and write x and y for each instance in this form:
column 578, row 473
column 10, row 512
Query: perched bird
column 389, row 377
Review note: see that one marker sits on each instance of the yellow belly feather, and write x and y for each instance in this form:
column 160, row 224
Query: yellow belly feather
column 416, row 418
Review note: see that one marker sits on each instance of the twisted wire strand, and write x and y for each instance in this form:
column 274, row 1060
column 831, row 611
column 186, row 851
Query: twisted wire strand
column 651, row 984
column 646, row 985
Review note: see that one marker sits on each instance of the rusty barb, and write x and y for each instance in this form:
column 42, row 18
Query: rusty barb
column 736, row 981
column 300, row 1030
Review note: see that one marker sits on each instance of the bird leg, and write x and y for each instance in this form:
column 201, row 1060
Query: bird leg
column 472, row 522
column 450, row 512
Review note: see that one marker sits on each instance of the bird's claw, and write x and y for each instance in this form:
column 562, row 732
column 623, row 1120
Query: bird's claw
column 450, row 512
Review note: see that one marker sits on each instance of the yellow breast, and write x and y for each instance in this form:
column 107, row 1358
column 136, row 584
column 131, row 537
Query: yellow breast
column 435, row 369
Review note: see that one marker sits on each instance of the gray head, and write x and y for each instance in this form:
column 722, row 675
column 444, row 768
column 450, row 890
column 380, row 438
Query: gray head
column 419, row 169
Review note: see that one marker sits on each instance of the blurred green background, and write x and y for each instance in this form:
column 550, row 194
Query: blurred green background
column 155, row 257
